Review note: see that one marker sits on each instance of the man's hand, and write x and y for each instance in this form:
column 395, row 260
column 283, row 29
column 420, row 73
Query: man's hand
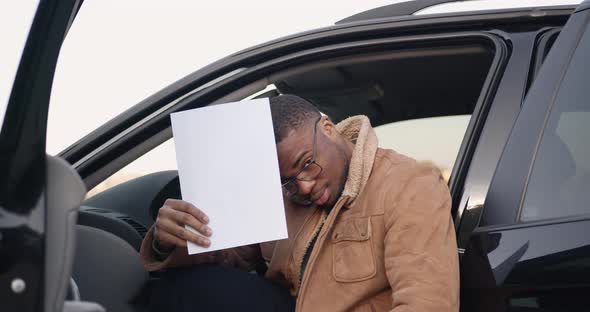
column 169, row 230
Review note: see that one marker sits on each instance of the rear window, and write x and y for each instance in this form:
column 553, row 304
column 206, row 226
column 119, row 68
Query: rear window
column 559, row 184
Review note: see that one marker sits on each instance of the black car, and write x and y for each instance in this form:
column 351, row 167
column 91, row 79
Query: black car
column 520, row 183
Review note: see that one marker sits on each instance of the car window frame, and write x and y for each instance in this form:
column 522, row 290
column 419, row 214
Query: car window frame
column 24, row 192
column 550, row 113
column 404, row 26
column 543, row 45
column 220, row 89
column 503, row 205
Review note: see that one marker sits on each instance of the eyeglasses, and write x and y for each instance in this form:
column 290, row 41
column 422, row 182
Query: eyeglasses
column 309, row 172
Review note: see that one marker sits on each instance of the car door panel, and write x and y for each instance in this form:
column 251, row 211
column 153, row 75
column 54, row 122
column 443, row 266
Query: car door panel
column 535, row 262
column 494, row 134
column 31, row 212
column 532, row 255
column 502, row 201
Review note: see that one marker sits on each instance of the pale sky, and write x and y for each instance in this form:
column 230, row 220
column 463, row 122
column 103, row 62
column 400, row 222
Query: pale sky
column 119, row 52
column 15, row 21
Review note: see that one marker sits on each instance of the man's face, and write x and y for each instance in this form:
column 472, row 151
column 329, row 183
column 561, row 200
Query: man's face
column 296, row 150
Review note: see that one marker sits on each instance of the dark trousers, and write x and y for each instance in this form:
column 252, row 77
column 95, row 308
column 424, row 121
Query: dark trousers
column 217, row 288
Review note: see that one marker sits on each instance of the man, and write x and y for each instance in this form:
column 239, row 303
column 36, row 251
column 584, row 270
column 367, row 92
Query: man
column 369, row 229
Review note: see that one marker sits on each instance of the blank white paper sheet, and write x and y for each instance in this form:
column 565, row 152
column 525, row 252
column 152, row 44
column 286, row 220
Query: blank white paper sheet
column 228, row 168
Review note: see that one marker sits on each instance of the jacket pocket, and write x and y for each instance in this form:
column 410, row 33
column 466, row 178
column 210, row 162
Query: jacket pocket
column 352, row 251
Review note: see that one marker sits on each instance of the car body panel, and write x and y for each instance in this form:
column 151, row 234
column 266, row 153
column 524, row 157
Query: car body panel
column 23, row 190
column 528, row 266
column 510, row 264
column 503, row 112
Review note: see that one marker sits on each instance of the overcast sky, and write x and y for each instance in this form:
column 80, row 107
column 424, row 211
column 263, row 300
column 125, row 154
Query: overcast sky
column 119, row 52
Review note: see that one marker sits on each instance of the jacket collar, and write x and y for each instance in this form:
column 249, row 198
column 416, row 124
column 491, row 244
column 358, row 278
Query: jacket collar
column 358, row 130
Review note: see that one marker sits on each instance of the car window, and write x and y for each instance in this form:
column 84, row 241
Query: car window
column 16, row 18
column 161, row 158
column 559, row 184
column 435, row 140
column 544, row 43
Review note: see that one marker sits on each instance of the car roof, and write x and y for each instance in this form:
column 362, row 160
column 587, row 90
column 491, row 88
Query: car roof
column 450, row 7
column 483, row 5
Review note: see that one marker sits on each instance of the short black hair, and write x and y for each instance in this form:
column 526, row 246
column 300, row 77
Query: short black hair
column 290, row 112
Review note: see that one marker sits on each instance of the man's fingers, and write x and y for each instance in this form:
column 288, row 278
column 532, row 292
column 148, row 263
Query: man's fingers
column 187, row 208
column 197, row 225
column 185, row 234
column 169, row 239
column 167, row 228
column 173, row 217
column 164, row 233
column 183, row 218
column 195, row 238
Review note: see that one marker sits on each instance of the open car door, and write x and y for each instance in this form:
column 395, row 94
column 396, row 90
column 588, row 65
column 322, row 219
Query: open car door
column 39, row 194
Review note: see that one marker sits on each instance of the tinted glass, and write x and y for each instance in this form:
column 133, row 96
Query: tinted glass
column 559, row 184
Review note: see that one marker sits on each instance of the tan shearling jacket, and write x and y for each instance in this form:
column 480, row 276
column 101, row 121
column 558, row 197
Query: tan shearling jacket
column 388, row 244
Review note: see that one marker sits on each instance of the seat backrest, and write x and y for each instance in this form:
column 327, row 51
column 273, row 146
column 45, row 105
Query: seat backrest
column 65, row 191
column 107, row 269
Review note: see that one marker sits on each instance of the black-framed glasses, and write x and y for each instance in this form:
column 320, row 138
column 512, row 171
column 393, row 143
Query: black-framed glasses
column 309, row 172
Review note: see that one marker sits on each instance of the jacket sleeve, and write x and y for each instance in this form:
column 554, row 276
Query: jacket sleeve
column 421, row 258
column 244, row 258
